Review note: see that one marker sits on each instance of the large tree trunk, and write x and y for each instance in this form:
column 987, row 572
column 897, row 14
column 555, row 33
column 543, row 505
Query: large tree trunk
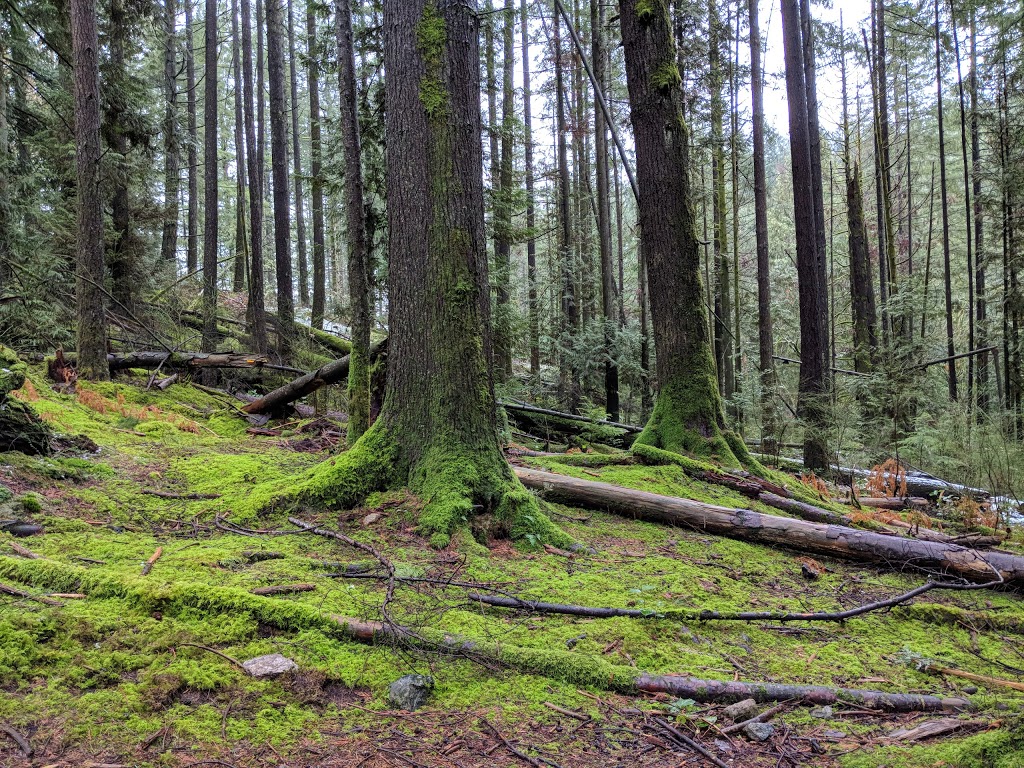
column 279, row 163
column 169, row 236
column 192, row 248
column 800, row 535
column 437, row 432
column 945, row 210
column 813, row 329
column 241, row 264
column 533, row 307
column 316, row 172
column 503, row 199
column 687, row 416
column 91, row 303
column 355, row 230
column 765, row 337
column 253, row 160
column 210, row 179
column 121, row 254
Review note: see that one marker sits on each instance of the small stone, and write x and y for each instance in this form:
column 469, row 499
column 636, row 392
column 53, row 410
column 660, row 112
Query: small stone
column 270, row 665
column 759, row 731
column 722, row 746
column 741, row 710
column 970, row 690
column 824, row 713
column 372, row 518
column 410, row 692
column 835, row 734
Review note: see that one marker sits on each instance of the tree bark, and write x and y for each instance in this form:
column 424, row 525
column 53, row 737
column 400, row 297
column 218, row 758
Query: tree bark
column 300, row 213
column 169, row 236
column 279, row 166
column 91, row 302
column 241, row 264
column 533, row 306
column 358, row 251
column 945, row 210
column 255, row 173
column 799, row 535
column 687, row 415
column 316, row 171
column 503, row 198
column 210, row 204
column 192, row 252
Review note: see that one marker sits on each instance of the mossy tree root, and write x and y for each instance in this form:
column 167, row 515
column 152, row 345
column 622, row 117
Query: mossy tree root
column 458, row 485
column 572, row 668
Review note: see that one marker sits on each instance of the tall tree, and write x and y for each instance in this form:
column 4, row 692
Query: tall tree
column 300, row 213
column 89, row 293
column 687, row 415
column 533, row 307
column 316, row 183
column 503, row 202
column 192, row 248
column 169, row 236
column 121, row 256
column 210, row 218
column 723, row 289
column 241, row 237
column 765, row 337
column 813, row 317
column 355, row 229
column 980, row 257
column 253, row 160
column 279, row 163
column 437, row 432
column 947, row 274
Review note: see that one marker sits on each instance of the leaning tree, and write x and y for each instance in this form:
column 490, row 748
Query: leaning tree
column 687, row 416
column 437, row 432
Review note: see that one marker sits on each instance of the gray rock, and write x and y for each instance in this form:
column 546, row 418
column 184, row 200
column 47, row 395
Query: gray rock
column 824, row 713
column 372, row 518
column 759, row 731
column 970, row 690
column 741, row 710
column 410, row 692
column 835, row 734
column 270, row 665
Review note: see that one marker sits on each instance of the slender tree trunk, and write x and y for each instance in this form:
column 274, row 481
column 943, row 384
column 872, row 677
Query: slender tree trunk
column 734, row 110
column 279, row 161
column 533, row 307
column 971, row 331
column 604, row 215
column 813, row 316
column 241, row 239
column 255, row 173
column 6, row 169
column 358, row 254
column 316, row 171
column 91, row 304
column 210, row 203
column 950, row 351
column 192, row 253
column 687, row 415
column 765, row 336
column 981, row 319
column 169, row 236
column 503, row 200
column 300, row 214
column 120, row 257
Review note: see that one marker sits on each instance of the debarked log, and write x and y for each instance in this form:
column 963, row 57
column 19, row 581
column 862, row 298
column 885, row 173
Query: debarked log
column 800, row 535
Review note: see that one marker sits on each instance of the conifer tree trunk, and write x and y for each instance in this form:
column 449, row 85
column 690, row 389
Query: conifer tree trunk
column 723, row 287
column 969, row 228
column 255, row 173
column 300, row 213
column 945, row 211
column 6, row 167
column 734, row 111
column 123, row 272
column 533, row 307
column 358, row 253
column 91, row 326
column 813, row 317
column 687, row 413
column 279, row 162
column 765, row 337
column 192, row 252
column 210, row 179
column 316, row 183
column 241, row 262
column 169, row 236
column 980, row 258
column 604, row 214
column 503, row 199
column 437, row 432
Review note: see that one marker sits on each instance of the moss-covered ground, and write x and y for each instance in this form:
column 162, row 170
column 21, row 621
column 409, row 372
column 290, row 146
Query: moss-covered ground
column 115, row 677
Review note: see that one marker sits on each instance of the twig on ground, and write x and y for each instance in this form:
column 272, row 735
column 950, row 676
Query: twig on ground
column 23, row 551
column 521, row 755
column 14, row 592
column 768, row 714
column 148, row 565
column 183, row 496
column 21, row 741
column 223, row 655
column 695, row 746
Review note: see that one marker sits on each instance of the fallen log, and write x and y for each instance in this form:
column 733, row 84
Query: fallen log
column 803, row 510
column 527, row 408
column 916, row 485
column 895, row 503
column 554, row 663
column 332, row 373
column 180, row 360
column 800, row 535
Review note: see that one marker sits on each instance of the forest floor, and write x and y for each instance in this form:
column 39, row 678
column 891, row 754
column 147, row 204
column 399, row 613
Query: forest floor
column 124, row 675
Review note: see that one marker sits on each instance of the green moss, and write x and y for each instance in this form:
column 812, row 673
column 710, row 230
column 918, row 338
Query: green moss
column 431, row 38
column 666, row 77
column 12, row 372
column 31, row 504
column 646, row 9
column 1002, row 748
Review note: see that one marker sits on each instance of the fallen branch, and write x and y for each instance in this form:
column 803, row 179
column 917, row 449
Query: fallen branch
column 799, row 535
column 23, row 551
column 15, row 592
column 984, row 679
column 183, row 496
column 21, row 741
column 526, row 408
column 521, row 755
column 148, row 565
column 214, row 651
column 283, row 589
column 181, row 360
column 768, row 714
column 332, row 373
column 554, row 663
column 680, row 736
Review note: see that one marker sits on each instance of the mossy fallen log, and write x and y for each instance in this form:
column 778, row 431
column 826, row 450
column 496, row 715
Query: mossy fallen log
column 180, row 360
column 555, row 426
column 20, row 429
column 572, row 668
column 800, row 535
column 332, row 373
